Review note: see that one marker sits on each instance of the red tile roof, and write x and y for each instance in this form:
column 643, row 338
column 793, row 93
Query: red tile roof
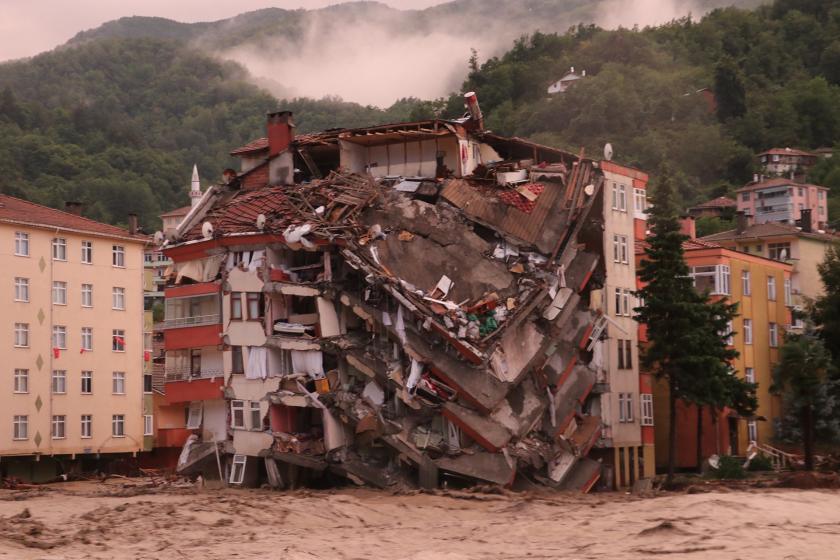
column 786, row 152
column 776, row 182
column 17, row 211
column 239, row 213
column 257, row 145
column 719, row 202
column 769, row 229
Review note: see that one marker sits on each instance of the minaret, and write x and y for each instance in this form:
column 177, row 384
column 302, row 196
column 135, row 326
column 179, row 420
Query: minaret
column 195, row 187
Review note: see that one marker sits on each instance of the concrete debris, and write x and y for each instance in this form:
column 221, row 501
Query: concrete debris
column 422, row 324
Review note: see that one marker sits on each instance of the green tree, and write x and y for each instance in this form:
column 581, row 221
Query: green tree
column 826, row 309
column 685, row 345
column 802, row 376
column 729, row 90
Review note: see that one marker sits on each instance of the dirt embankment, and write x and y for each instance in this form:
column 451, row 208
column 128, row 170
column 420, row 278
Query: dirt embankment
column 120, row 521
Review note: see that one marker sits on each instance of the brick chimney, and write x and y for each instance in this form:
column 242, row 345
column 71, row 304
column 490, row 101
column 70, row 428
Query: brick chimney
column 688, row 227
column 742, row 222
column 73, row 207
column 133, row 227
column 280, row 130
column 804, row 221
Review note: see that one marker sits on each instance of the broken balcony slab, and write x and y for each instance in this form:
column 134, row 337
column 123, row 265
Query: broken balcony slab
column 583, row 476
column 316, row 463
column 357, row 470
column 518, row 347
column 587, row 433
column 522, row 408
column 291, row 343
column 569, row 396
column 487, row 432
column 580, row 270
column 540, row 227
column 291, row 289
column 490, row 467
column 474, row 274
column 474, row 384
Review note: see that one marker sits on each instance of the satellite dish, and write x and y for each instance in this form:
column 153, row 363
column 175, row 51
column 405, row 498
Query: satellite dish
column 261, row 222
column 589, row 189
column 207, row 230
column 158, row 238
column 608, row 151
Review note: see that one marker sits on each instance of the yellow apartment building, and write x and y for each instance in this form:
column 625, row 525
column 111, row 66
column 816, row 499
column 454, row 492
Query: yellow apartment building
column 73, row 364
column 762, row 288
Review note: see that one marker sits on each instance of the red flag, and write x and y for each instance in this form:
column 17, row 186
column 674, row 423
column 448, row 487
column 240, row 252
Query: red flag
column 119, row 339
column 147, row 355
column 56, row 352
column 81, row 350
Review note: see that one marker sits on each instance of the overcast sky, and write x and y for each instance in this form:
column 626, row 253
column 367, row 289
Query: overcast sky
column 28, row 27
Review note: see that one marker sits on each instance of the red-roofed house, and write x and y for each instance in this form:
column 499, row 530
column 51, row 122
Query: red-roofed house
column 784, row 161
column 715, row 208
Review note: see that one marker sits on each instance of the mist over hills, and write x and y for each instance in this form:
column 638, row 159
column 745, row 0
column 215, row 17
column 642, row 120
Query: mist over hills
column 370, row 53
column 117, row 117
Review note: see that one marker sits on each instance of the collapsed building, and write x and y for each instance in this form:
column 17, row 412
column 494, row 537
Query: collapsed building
column 402, row 304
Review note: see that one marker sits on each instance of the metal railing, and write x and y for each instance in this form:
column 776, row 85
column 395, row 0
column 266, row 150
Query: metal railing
column 187, row 373
column 192, row 321
column 781, row 460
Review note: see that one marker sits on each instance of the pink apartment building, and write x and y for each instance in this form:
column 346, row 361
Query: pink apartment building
column 783, row 200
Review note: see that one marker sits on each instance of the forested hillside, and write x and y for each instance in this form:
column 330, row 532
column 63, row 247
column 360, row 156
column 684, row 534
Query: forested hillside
column 118, row 122
column 775, row 73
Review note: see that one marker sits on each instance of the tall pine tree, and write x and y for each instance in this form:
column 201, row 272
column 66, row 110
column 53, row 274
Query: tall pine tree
column 686, row 331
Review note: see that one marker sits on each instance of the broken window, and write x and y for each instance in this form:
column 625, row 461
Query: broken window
column 237, row 471
column 194, row 414
column 237, row 363
column 237, row 414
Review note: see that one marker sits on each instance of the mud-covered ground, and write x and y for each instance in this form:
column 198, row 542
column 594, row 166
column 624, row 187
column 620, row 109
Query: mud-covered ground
column 124, row 519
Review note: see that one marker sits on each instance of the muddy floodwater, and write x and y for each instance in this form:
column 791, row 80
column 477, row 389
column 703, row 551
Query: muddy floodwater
column 119, row 520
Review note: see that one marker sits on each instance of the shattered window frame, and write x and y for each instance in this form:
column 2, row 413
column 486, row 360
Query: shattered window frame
column 237, row 469
column 237, row 414
column 237, row 361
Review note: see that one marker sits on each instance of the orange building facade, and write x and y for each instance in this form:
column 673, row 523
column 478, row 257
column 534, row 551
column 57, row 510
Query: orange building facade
column 762, row 289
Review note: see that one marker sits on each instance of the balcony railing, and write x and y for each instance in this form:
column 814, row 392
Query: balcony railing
column 193, row 321
column 187, row 373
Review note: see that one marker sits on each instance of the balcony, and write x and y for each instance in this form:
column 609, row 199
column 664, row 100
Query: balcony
column 192, row 321
column 190, row 374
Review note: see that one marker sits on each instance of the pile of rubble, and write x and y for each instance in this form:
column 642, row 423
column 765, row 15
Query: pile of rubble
column 466, row 347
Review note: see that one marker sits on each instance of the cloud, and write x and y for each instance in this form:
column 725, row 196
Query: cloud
column 627, row 13
column 370, row 63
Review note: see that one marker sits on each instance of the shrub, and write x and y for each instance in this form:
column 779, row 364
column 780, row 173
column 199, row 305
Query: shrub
column 760, row 463
column 730, row 468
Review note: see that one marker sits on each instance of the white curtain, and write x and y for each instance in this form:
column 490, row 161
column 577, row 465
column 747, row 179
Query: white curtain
column 257, row 363
column 308, row 361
